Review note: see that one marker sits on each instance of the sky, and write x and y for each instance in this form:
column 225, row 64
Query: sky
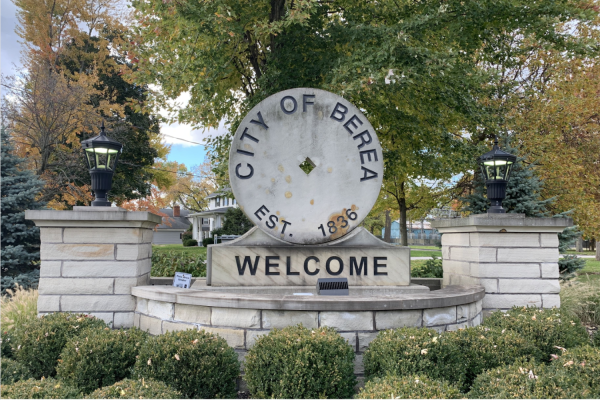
column 179, row 135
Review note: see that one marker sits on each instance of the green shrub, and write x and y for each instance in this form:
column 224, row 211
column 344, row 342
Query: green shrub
column 431, row 269
column 466, row 353
column 18, row 307
column 42, row 389
column 404, row 351
column 197, row 363
column 167, row 263
column 98, row 358
column 190, row 242
column 207, row 241
column 187, row 235
column 13, row 371
column 408, row 387
column 6, row 343
column 136, row 389
column 575, row 374
column 41, row 340
column 297, row 362
column 544, row 328
column 596, row 339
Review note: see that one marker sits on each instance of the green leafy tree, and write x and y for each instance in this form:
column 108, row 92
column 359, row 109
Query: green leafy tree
column 236, row 223
column 20, row 188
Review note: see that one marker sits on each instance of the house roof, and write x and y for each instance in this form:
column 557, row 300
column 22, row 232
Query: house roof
column 182, row 222
column 207, row 213
column 221, row 192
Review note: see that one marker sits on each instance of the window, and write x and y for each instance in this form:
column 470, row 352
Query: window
column 226, row 201
column 233, row 203
column 217, row 202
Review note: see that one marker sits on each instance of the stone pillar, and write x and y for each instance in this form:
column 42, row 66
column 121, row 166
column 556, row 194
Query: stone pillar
column 513, row 257
column 91, row 257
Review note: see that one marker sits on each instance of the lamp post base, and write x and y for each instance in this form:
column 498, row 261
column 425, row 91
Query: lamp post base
column 496, row 210
column 100, row 203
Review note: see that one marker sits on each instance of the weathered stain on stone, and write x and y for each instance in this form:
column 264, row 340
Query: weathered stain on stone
column 329, row 169
column 288, row 194
column 288, row 179
column 312, row 202
column 280, row 168
column 339, row 222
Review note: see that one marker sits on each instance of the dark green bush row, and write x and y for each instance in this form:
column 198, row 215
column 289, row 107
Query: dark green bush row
column 408, row 387
column 545, row 328
column 136, row 389
column 13, row 371
column 98, row 358
column 573, row 375
column 190, row 242
column 39, row 389
column 166, row 264
column 196, row 363
column 457, row 357
column 432, row 268
column 41, row 340
column 6, row 345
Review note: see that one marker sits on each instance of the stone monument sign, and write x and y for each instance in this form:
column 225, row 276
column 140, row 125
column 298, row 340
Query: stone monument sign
column 306, row 167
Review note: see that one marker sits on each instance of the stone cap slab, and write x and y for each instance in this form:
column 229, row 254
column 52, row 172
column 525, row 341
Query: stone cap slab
column 446, row 297
column 496, row 222
column 107, row 217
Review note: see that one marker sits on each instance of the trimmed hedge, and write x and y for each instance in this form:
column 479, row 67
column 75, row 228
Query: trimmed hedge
column 190, row 242
column 544, row 328
column 404, row 351
column 13, row 371
column 41, row 340
column 43, row 389
column 457, row 357
column 136, row 389
column 408, row 387
column 297, row 362
column 573, row 375
column 98, row 358
column 197, row 363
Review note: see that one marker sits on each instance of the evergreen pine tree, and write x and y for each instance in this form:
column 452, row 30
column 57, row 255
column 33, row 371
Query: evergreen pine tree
column 20, row 237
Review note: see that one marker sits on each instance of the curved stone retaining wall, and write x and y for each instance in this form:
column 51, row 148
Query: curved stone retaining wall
column 241, row 318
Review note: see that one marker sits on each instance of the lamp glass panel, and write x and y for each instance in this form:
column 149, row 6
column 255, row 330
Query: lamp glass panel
column 90, row 158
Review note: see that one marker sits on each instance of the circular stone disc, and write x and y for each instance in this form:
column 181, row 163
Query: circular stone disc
column 326, row 135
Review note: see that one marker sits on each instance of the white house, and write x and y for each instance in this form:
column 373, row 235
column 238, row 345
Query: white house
column 207, row 221
column 177, row 222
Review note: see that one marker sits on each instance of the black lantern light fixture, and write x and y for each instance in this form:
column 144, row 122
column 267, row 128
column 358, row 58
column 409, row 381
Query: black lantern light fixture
column 496, row 166
column 101, row 154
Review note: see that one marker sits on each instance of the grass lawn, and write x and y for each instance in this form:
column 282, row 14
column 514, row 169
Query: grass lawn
column 424, row 247
column 165, row 248
column 582, row 253
column 425, row 253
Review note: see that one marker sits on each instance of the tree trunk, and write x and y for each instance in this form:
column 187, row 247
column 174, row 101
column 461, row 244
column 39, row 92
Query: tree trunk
column 579, row 244
column 388, row 227
column 403, row 228
column 597, row 251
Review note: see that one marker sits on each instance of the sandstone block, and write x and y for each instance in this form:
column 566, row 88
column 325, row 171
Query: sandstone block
column 280, row 319
column 62, row 251
column 350, row 338
column 398, row 319
column 76, row 285
column 48, row 304
column 106, row 317
column 97, row 303
column 529, row 286
column 124, row 320
column 505, row 301
column 465, row 312
column 252, row 336
column 478, row 306
column 364, row 339
column 147, row 235
column 549, row 239
column 103, row 235
column 490, row 285
column 480, row 254
column 234, row 337
column 191, row 313
column 455, row 239
column 476, row 321
column 439, row 316
column 455, row 327
column 445, row 252
column 348, row 320
column 241, row 356
column 124, row 285
column 359, row 368
column 151, row 325
column 238, row 317
column 50, row 269
column 550, row 270
column 169, row 326
column 105, row 268
column 160, row 309
column 517, row 270
column 525, row 255
column 457, row 267
column 490, row 239
column 550, row 300
column 136, row 320
column 51, row 235
column 134, row 251
column 141, row 305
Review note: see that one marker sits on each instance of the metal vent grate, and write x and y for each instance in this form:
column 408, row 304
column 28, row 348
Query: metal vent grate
column 332, row 286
